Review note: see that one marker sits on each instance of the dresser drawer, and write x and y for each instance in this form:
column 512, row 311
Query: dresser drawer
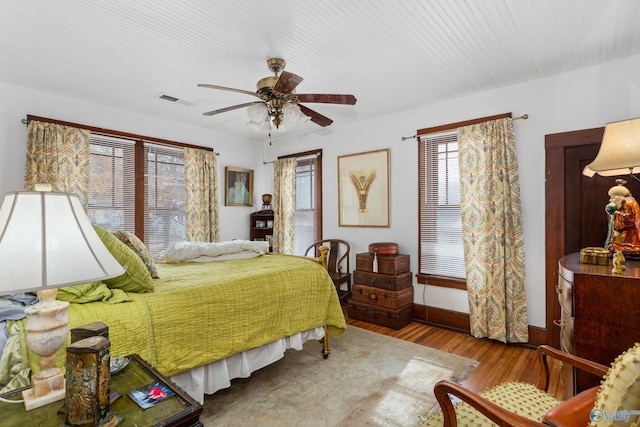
column 567, row 336
column 565, row 295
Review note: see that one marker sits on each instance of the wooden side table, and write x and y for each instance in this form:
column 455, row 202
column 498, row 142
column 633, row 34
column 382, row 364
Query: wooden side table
column 178, row 411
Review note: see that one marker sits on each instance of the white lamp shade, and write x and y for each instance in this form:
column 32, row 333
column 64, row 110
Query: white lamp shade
column 619, row 152
column 257, row 112
column 291, row 112
column 47, row 241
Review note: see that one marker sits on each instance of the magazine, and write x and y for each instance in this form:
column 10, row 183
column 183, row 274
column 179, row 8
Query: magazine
column 150, row 394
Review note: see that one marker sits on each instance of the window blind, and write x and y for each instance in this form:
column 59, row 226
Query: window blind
column 112, row 183
column 440, row 220
column 164, row 207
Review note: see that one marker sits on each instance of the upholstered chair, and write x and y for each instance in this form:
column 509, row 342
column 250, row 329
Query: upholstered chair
column 520, row 404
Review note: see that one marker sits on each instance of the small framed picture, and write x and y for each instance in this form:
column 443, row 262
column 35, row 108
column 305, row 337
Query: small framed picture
column 238, row 187
column 260, row 224
column 269, row 223
column 269, row 238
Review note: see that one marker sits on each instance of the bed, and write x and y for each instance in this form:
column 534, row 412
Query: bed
column 205, row 323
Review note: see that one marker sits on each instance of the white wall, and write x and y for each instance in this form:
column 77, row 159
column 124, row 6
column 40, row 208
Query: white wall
column 581, row 99
column 16, row 102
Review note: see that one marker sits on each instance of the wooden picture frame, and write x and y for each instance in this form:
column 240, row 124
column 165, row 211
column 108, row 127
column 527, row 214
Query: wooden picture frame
column 363, row 189
column 238, row 187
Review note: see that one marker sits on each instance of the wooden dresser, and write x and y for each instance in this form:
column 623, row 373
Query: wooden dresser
column 600, row 314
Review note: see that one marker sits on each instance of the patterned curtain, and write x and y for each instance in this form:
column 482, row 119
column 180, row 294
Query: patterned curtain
column 201, row 184
column 492, row 231
column 58, row 155
column 284, row 205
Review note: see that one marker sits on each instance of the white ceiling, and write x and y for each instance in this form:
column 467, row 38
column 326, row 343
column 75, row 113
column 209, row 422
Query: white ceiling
column 392, row 55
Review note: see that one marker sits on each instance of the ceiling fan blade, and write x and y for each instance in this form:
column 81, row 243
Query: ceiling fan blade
column 233, row 107
column 316, row 117
column 287, row 82
column 326, row 98
column 227, row 88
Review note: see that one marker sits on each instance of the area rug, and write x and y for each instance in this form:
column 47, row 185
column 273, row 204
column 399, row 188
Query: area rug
column 368, row 380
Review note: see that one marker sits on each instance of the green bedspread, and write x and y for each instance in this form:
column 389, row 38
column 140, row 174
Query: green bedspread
column 202, row 312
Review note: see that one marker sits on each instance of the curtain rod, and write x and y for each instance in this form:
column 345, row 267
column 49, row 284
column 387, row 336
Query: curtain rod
column 117, row 134
column 307, row 156
column 523, row 117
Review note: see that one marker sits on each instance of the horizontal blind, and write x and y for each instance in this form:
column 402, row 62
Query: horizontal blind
column 165, row 197
column 441, row 247
column 112, row 183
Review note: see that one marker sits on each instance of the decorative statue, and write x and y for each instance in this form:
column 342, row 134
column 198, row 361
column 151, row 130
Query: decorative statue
column 618, row 263
column 624, row 221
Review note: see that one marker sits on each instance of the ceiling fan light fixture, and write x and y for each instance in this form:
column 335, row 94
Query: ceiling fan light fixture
column 291, row 111
column 257, row 112
column 278, row 107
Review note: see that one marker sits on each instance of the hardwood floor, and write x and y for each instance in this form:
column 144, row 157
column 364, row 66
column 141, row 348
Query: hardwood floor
column 498, row 362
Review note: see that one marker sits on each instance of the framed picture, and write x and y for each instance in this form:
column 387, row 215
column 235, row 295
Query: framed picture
column 269, row 238
column 260, row 224
column 238, row 187
column 363, row 189
column 269, row 223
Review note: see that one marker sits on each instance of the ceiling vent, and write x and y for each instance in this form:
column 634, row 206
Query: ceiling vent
column 173, row 99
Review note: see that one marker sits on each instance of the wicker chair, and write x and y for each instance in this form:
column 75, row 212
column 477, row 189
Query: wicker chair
column 522, row 405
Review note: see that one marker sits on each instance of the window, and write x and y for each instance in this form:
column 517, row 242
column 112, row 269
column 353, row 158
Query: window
column 308, row 216
column 164, row 215
column 148, row 200
column 441, row 260
column 112, row 183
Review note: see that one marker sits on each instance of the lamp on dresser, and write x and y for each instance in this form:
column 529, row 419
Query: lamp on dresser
column 619, row 152
column 46, row 242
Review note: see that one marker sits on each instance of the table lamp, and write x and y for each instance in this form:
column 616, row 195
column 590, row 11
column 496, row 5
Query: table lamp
column 46, row 242
column 619, row 152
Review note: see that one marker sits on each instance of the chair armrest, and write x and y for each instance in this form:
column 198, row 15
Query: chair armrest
column 495, row 413
column 544, row 352
column 322, row 259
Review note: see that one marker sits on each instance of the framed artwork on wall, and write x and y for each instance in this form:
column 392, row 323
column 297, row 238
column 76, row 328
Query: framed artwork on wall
column 238, row 187
column 363, row 189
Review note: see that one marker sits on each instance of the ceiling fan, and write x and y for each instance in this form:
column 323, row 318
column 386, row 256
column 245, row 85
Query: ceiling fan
column 279, row 104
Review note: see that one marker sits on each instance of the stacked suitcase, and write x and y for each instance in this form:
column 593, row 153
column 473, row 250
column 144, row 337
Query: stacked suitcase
column 384, row 297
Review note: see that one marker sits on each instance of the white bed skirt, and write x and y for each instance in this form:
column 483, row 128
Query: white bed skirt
column 215, row 376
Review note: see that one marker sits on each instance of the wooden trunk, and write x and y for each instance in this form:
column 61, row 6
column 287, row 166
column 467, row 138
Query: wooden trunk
column 392, row 318
column 383, row 248
column 387, row 264
column 383, row 281
column 382, row 297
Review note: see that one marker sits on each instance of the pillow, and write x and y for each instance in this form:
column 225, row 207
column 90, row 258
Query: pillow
column 139, row 247
column 620, row 391
column 137, row 277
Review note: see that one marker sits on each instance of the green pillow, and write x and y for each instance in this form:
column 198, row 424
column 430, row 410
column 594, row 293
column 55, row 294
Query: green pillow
column 137, row 277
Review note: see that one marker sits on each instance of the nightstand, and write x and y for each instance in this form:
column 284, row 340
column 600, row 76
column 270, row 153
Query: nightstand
column 178, row 411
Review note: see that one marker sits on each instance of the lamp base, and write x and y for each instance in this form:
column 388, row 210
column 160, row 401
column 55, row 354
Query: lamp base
column 32, row 402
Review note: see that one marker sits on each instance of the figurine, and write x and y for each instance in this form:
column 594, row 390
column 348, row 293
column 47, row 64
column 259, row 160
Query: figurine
column 624, row 221
column 618, row 263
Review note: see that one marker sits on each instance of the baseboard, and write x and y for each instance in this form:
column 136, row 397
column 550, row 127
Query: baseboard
column 458, row 321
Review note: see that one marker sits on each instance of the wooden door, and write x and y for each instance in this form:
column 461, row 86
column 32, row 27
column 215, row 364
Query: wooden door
column 574, row 208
